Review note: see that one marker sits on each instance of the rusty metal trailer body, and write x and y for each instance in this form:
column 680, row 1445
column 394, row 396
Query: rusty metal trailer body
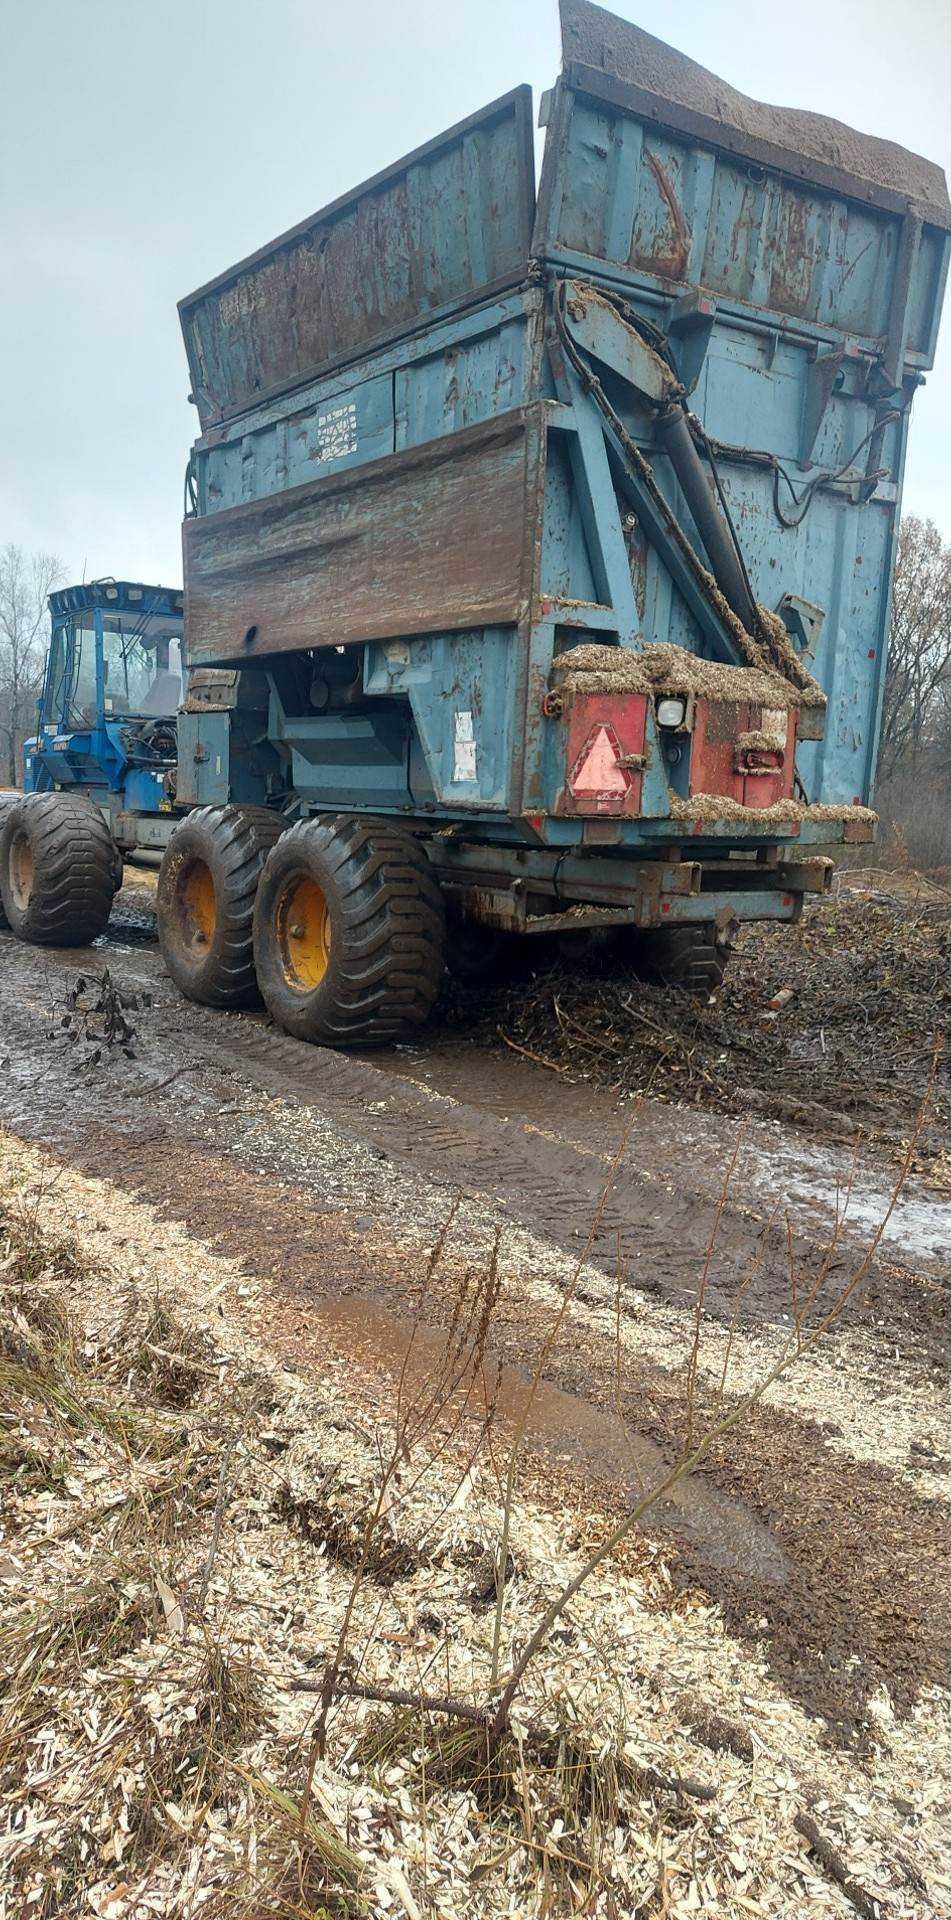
column 456, row 444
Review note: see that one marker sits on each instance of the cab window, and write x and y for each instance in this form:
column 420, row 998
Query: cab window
column 82, row 697
column 141, row 670
column 56, row 680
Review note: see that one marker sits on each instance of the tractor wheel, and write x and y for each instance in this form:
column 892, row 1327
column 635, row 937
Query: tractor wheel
column 60, row 869
column 349, row 932
column 205, row 901
column 689, row 959
column 6, row 801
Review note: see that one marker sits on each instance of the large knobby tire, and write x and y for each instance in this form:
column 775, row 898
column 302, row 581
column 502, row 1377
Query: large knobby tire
column 689, row 959
column 6, row 800
column 205, row 902
column 349, row 932
column 60, row 869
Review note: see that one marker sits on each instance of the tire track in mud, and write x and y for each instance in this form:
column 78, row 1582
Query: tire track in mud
column 652, row 1226
column 658, row 1232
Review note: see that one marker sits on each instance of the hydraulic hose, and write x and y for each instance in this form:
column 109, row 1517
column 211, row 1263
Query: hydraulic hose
column 674, row 437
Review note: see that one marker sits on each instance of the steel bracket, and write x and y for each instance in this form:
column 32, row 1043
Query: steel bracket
column 822, row 380
column 689, row 329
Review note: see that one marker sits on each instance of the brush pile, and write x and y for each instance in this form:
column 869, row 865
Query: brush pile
column 832, row 1025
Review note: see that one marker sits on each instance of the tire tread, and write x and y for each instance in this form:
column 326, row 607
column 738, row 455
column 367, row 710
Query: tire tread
column 389, row 969
column 238, row 841
column 78, row 869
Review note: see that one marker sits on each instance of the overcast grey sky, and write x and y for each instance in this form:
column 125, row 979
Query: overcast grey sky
column 145, row 145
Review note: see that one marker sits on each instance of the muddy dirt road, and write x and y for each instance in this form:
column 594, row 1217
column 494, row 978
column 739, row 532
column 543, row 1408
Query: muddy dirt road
column 321, row 1219
column 820, row 1528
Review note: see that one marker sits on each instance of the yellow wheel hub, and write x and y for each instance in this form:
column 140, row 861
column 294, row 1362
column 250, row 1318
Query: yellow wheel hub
column 199, row 906
column 22, row 871
column 303, row 931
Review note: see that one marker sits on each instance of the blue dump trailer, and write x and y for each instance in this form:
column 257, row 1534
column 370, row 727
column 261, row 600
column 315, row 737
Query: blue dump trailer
column 539, row 548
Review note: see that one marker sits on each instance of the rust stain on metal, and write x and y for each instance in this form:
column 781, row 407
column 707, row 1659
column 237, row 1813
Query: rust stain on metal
column 793, row 261
column 746, row 224
column 671, row 265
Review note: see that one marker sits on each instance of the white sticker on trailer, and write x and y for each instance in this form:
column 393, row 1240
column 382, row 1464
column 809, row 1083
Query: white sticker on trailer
column 337, row 432
column 464, row 747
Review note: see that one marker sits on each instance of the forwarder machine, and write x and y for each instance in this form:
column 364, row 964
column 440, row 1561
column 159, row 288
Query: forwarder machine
column 101, row 774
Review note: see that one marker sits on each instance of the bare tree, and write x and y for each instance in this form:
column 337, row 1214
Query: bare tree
column 26, row 580
column 942, row 731
column 919, row 659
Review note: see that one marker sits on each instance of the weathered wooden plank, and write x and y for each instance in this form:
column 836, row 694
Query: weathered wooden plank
column 434, row 539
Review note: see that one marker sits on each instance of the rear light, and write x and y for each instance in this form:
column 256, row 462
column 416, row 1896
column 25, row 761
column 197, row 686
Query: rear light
column 671, row 713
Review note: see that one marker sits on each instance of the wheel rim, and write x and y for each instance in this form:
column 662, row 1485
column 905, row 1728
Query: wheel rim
column 303, row 932
column 22, row 870
column 198, row 905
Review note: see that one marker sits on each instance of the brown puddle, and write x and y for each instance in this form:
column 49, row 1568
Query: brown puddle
column 585, row 1438
column 511, row 1088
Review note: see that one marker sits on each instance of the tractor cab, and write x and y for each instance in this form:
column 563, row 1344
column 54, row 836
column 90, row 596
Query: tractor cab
column 113, row 683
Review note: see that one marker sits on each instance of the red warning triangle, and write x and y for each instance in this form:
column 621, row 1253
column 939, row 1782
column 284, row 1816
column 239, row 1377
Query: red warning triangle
column 597, row 769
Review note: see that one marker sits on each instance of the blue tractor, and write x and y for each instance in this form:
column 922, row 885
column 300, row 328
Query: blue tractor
column 101, row 775
column 107, row 712
column 99, row 772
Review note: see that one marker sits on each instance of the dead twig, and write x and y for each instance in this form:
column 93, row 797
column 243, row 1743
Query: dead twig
column 418, row 1416
column 831, row 1859
column 400, row 1697
column 676, row 1783
column 693, row 1358
column 158, row 1086
column 217, row 1522
column 539, row 1058
column 541, row 1362
column 593, row 1039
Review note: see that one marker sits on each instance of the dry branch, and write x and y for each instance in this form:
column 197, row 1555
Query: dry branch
column 400, row 1697
column 831, row 1859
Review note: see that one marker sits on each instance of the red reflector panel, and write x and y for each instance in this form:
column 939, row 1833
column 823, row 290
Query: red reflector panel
column 598, row 770
column 604, row 754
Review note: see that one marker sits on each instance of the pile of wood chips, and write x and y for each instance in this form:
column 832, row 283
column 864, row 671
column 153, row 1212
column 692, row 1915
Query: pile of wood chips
column 182, row 1529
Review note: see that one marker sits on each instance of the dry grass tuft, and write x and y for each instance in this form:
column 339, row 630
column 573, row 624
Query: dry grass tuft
column 32, row 1466
column 47, row 1646
column 187, row 1770
column 462, row 1757
column 309, row 1871
column 559, row 1789
column 167, row 1361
